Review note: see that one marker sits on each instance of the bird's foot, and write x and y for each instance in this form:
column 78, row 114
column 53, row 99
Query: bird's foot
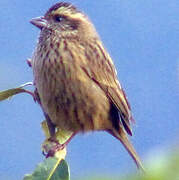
column 29, row 62
column 52, row 147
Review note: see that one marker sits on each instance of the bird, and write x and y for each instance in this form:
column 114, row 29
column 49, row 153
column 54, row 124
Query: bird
column 75, row 79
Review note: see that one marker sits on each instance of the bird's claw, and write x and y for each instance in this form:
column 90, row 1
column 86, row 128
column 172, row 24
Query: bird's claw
column 52, row 147
column 29, row 62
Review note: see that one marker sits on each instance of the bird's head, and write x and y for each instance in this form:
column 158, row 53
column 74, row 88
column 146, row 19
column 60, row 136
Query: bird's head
column 65, row 20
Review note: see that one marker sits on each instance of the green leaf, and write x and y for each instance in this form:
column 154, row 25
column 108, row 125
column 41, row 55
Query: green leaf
column 61, row 172
column 50, row 169
column 61, row 135
column 11, row 92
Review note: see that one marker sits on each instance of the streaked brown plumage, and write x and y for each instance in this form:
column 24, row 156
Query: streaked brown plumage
column 75, row 77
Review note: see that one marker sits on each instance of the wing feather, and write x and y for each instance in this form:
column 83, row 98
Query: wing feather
column 101, row 70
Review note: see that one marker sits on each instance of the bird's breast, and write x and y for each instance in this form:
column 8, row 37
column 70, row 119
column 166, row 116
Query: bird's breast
column 70, row 98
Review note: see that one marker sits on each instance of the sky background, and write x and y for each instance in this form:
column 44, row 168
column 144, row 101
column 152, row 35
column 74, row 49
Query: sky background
column 142, row 37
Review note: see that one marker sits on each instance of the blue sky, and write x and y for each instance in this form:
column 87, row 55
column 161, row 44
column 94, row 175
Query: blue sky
column 142, row 37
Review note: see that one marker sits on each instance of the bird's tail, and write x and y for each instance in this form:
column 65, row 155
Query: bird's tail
column 128, row 146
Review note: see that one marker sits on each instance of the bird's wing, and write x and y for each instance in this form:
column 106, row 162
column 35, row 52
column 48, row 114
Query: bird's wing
column 100, row 69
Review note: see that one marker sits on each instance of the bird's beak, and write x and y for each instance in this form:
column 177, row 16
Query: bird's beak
column 39, row 22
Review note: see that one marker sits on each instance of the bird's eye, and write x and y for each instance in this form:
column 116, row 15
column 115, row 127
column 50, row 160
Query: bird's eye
column 59, row 18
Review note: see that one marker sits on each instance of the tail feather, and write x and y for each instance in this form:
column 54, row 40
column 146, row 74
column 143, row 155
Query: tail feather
column 128, row 146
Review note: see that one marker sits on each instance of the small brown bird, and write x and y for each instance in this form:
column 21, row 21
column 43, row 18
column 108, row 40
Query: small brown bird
column 76, row 81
